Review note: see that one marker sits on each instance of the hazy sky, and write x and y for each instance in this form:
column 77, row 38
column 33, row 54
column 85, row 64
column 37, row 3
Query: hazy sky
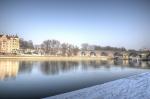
column 102, row 22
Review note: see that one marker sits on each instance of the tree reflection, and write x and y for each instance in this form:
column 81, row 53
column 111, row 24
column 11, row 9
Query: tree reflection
column 68, row 65
column 55, row 67
column 49, row 67
column 94, row 64
column 25, row 66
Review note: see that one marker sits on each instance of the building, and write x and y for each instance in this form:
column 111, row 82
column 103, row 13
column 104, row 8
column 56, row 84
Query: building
column 9, row 43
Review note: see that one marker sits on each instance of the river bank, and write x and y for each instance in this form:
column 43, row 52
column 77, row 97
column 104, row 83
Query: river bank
column 134, row 87
column 52, row 58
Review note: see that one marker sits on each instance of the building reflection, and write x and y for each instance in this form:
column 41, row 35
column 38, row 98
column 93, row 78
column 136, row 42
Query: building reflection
column 8, row 69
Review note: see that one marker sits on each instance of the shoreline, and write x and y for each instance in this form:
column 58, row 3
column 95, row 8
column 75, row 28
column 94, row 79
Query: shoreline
column 60, row 58
column 53, row 58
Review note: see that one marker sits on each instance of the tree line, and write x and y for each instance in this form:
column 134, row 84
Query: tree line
column 52, row 47
column 55, row 47
column 86, row 46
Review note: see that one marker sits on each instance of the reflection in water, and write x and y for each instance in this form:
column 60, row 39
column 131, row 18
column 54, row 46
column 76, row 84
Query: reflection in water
column 54, row 67
column 46, row 78
column 25, row 66
column 95, row 64
column 8, row 69
column 134, row 64
column 140, row 64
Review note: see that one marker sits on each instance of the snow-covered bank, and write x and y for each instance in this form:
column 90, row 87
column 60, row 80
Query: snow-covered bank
column 134, row 87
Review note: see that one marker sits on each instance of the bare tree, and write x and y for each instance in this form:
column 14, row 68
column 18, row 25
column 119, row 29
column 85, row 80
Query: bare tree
column 51, row 46
column 26, row 44
column 75, row 50
column 64, row 47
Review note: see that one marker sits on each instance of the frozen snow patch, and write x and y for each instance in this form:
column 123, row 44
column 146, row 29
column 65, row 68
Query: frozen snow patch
column 134, row 87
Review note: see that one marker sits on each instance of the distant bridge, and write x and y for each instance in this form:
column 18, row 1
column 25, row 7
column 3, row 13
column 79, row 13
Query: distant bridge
column 114, row 54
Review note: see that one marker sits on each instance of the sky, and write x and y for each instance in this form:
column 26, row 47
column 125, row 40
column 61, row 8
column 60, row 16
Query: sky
column 118, row 23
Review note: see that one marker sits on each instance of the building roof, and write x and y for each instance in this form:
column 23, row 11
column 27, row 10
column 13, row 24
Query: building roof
column 1, row 35
column 9, row 36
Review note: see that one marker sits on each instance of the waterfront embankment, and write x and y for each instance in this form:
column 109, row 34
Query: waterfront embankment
column 52, row 58
column 134, row 87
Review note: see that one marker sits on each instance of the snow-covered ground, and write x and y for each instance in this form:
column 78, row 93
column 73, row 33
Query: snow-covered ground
column 134, row 87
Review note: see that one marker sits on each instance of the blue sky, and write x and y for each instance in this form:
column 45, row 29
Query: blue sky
column 120, row 23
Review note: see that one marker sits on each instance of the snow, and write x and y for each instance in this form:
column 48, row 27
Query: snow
column 134, row 87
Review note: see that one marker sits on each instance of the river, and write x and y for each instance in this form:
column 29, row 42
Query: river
column 40, row 79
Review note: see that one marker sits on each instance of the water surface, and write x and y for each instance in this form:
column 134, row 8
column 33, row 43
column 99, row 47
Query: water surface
column 39, row 79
